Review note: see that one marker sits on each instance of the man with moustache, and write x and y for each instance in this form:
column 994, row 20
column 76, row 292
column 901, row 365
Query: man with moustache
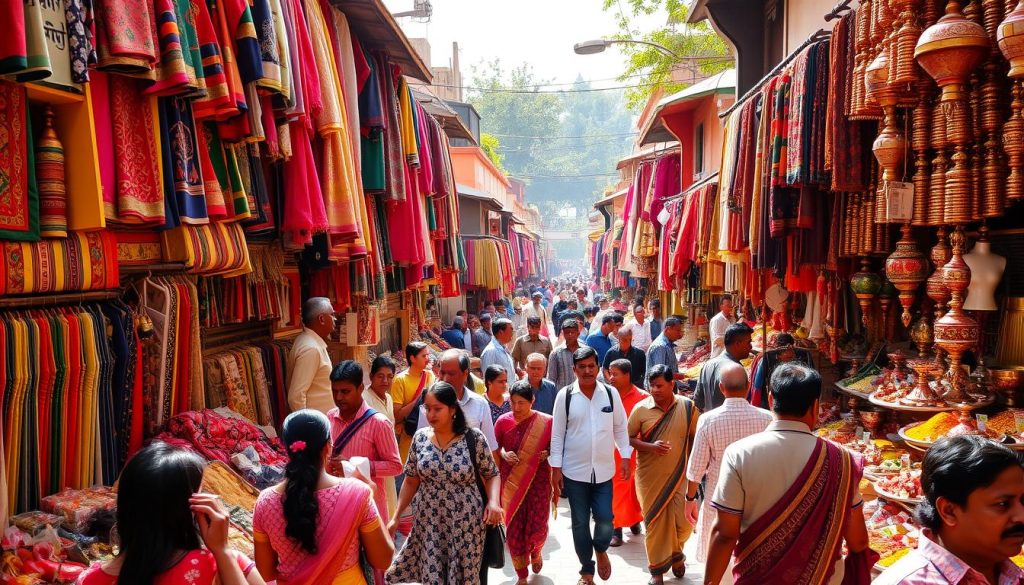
column 972, row 517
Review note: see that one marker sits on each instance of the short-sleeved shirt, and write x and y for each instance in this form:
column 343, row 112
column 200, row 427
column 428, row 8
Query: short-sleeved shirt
column 600, row 343
column 544, row 397
column 637, row 363
column 931, row 564
column 524, row 346
column 197, row 565
column 268, row 523
column 708, row 394
column 663, row 352
column 757, row 472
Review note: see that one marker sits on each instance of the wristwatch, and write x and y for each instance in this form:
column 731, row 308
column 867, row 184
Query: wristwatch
column 689, row 499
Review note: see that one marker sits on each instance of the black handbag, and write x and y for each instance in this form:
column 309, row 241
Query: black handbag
column 494, row 540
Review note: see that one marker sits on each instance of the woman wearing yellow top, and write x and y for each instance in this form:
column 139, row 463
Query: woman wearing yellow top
column 407, row 388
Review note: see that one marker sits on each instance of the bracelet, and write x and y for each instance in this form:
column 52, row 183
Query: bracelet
column 689, row 499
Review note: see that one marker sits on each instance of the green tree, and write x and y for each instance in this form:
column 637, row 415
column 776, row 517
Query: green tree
column 491, row 146
column 702, row 52
column 563, row 142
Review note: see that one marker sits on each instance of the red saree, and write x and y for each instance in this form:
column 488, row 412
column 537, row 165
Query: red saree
column 797, row 541
column 525, row 488
column 625, row 505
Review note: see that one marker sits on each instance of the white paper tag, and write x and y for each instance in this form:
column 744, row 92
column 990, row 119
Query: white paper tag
column 899, row 201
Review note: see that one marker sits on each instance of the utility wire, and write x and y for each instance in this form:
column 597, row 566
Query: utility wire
column 581, row 136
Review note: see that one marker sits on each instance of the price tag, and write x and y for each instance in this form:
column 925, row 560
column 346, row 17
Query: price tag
column 982, row 422
column 858, row 433
column 867, row 436
column 905, row 461
column 899, row 197
column 1018, row 421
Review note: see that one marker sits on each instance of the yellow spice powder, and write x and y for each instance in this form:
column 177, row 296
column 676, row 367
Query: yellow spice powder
column 934, row 428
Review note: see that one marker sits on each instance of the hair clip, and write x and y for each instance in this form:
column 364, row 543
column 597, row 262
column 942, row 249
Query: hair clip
column 297, row 446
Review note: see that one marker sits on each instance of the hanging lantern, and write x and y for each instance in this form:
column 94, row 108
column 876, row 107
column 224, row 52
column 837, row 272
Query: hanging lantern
column 865, row 285
column 949, row 51
column 906, row 268
column 1009, row 37
column 956, row 332
column 921, row 334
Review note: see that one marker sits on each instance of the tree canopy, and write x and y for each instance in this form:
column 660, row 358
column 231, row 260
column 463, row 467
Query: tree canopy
column 700, row 50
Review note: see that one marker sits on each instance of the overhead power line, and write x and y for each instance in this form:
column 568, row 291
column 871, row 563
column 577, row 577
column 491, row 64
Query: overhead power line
column 581, row 136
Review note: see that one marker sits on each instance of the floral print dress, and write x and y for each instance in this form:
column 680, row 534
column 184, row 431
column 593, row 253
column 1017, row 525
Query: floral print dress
column 447, row 539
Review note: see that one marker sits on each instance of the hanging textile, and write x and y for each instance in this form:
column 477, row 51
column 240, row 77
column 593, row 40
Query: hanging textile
column 82, row 261
column 215, row 249
column 19, row 194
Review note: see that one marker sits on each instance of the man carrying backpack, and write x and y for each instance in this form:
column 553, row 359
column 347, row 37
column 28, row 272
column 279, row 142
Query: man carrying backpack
column 588, row 416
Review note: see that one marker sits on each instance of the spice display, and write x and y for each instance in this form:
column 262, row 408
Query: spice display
column 934, row 428
column 906, row 485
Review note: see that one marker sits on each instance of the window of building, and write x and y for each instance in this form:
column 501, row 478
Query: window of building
column 698, row 151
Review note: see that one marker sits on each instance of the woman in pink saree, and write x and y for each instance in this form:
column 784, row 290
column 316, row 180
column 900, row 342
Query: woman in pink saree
column 524, row 436
column 308, row 530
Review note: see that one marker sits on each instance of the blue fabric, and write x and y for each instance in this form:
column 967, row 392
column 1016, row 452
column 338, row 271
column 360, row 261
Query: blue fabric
column 454, row 337
column 601, row 343
column 586, row 499
column 544, row 398
column 655, row 328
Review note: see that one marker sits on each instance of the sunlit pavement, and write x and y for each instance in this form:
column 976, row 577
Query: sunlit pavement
column 629, row 562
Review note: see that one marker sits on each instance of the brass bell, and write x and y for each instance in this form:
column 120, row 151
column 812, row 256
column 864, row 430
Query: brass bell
column 144, row 326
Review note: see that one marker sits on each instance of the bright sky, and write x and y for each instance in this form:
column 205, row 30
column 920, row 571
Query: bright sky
column 540, row 32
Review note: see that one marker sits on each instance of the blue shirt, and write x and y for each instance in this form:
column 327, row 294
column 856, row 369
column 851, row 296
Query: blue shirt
column 662, row 351
column 544, row 397
column 495, row 354
column 454, row 337
column 655, row 328
column 601, row 343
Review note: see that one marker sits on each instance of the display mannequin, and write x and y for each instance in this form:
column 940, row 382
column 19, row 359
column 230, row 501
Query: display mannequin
column 986, row 272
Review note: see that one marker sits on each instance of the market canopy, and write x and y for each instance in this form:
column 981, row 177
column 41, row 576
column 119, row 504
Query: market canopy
column 376, row 28
column 688, row 99
column 450, row 120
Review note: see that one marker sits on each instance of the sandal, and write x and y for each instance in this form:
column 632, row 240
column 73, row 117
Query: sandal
column 536, row 562
column 680, row 569
column 656, row 580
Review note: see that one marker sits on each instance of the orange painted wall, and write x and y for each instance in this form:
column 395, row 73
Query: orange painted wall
column 683, row 125
column 473, row 169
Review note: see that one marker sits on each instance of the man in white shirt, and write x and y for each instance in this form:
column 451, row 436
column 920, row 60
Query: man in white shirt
column 719, row 323
column 453, row 367
column 641, row 328
column 496, row 352
column 582, row 465
column 605, row 306
column 309, row 364
column 536, row 309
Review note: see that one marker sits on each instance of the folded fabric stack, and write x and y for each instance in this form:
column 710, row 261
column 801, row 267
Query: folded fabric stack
column 82, row 261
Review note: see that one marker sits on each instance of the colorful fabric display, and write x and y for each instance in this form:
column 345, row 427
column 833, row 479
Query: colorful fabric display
column 82, row 261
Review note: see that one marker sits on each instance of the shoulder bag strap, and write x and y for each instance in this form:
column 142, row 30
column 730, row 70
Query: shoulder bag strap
column 351, row 431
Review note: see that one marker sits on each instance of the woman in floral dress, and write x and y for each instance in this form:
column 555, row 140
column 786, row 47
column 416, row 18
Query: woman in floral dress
column 446, row 543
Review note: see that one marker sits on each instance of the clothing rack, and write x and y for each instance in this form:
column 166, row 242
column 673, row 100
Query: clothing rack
column 693, row 187
column 31, row 301
column 151, row 269
column 838, row 10
column 226, row 336
column 819, row 35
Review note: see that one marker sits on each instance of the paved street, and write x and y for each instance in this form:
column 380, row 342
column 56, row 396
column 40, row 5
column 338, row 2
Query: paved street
column 629, row 563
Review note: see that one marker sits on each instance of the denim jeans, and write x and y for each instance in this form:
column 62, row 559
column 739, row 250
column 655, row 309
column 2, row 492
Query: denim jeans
column 586, row 499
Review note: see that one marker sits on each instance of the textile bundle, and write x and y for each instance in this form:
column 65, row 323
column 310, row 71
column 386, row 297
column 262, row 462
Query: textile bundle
column 260, row 295
column 249, row 380
column 218, row 248
column 171, row 383
column 526, row 257
column 488, row 265
column 82, row 261
column 71, row 412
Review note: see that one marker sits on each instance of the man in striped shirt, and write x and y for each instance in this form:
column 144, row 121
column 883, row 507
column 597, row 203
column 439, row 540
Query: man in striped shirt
column 716, row 430
column 560, row 363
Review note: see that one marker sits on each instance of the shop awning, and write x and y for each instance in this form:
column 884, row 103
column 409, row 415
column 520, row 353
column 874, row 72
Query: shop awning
column 450, row 121
column 610, row 198
column 478, row 195
column 377, row 30
column 689, row 98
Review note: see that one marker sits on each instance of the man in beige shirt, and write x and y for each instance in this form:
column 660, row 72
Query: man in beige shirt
column 309, row 364
column 532, row 342
column 785, row 485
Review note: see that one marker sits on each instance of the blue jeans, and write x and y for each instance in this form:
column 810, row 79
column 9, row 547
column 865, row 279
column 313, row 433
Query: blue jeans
column 586, row 499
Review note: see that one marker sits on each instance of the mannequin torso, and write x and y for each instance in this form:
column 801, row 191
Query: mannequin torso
column 986, row 272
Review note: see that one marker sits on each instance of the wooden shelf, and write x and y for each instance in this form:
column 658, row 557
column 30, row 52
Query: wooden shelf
column 76, row 129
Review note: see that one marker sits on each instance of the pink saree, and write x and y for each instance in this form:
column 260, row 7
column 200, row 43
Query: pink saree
column 345, row 510
column 525, row 488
